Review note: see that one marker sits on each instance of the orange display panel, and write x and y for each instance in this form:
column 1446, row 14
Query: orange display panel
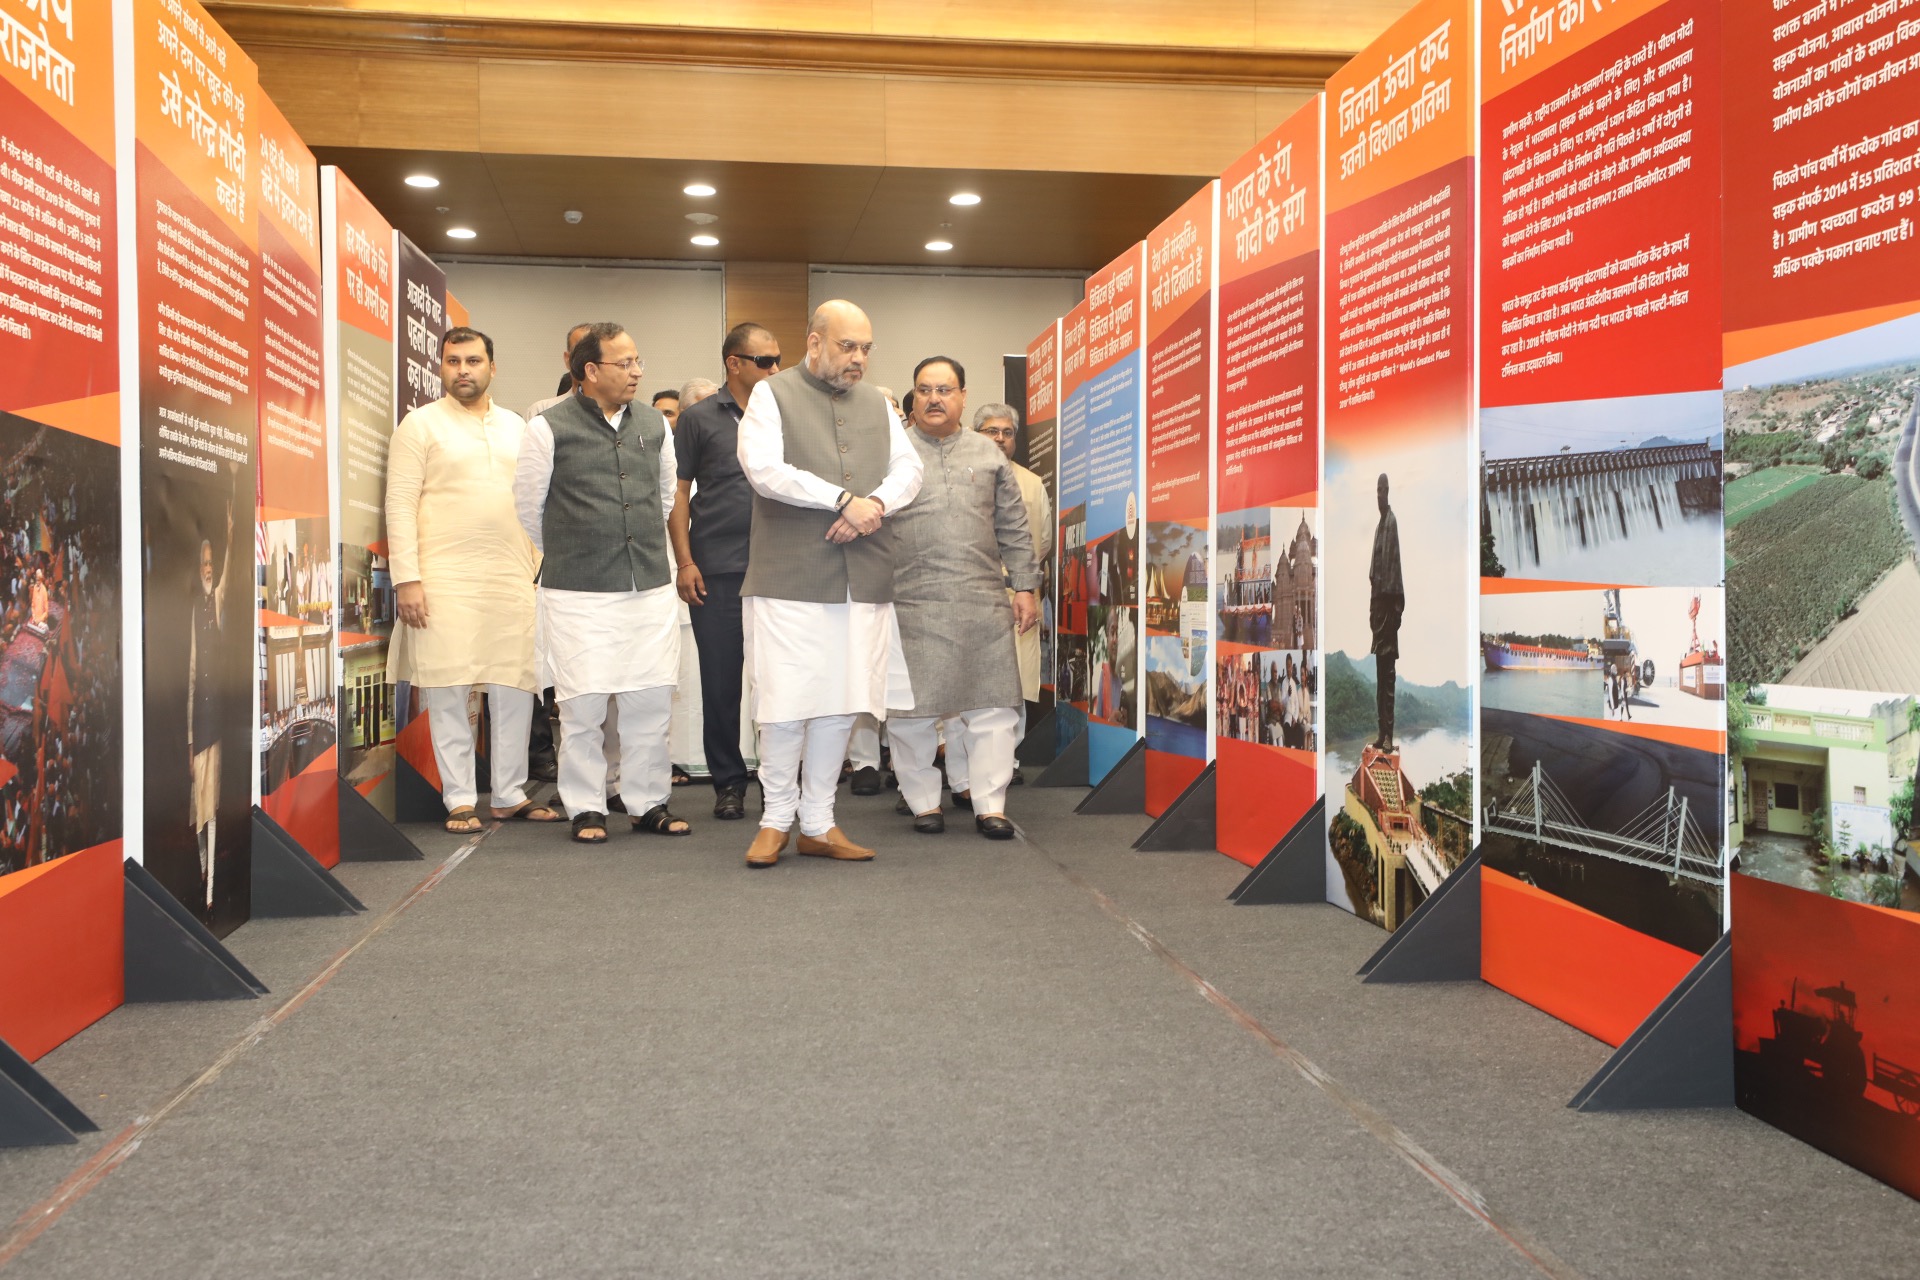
column 62, row 937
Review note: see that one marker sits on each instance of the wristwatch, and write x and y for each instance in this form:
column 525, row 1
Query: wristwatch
column 845, row 498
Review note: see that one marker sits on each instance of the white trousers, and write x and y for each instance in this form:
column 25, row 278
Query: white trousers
column 797, row 754
column 984, row 739
column 863, row 748
column 646, row 772
column 453, row 743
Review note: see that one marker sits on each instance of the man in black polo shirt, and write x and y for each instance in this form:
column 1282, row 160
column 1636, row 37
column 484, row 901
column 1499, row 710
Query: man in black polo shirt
column 711, row 519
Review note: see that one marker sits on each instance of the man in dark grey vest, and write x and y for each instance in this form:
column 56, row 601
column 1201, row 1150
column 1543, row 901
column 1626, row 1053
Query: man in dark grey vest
column 828, row 462
column 593, row 487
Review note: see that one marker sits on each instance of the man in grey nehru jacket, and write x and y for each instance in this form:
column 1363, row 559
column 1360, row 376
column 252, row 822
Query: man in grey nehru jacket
column 593, row 487
column 962, row 544
column 828, row 462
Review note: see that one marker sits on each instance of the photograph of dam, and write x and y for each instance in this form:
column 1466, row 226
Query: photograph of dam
column 1622, row 491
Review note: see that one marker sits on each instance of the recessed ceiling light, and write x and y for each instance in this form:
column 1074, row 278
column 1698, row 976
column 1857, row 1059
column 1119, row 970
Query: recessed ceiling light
column 422, row 180
column 939, row 246
column 697, row 189
column 462, row 233
column 706, row 242
column 963, row 197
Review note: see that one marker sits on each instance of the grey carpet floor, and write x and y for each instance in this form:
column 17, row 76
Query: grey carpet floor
column 643, row 1059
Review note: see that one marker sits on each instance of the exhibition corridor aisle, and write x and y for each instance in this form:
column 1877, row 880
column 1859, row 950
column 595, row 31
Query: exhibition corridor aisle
column 962, row 1059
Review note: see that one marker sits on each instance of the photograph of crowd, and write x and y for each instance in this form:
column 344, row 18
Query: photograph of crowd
column 60, row 763
column 1269, row 698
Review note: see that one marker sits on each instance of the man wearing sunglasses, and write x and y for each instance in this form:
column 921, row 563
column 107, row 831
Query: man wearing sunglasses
column 829, row 463
column 711, row 521
column 593, row 487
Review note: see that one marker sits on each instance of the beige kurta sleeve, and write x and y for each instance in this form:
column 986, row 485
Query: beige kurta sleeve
column 406, row 476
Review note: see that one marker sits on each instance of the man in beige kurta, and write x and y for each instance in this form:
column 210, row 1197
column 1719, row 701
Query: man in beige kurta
column 463, row 574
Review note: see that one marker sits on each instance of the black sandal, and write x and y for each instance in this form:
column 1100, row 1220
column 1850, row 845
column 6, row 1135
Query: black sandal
column 582, row 821
column 661, row 822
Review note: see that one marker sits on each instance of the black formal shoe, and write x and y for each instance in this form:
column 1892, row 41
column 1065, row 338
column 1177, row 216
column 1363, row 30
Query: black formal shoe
column 1018, row 780
column 866, row 781
column 542, row 769
column 930, row 824
column 993, row 827
column 963, row 800
column 616, row 805
column 730, row 803
column 902, row 808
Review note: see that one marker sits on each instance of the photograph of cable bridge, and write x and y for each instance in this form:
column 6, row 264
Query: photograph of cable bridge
column 1614, row 491
column 1627, row 826
column 1822, row 515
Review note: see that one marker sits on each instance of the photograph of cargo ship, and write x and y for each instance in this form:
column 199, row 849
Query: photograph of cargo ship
column 1605, row 491
column 1541, row 652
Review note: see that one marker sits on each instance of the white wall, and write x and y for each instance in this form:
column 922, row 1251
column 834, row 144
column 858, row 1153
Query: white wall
column 677, row 317
column 976, row 319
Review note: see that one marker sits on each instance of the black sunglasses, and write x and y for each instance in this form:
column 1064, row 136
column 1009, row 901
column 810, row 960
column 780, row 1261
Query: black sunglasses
column 765, row 362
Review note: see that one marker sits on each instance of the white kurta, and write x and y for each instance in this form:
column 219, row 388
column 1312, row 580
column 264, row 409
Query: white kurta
column 1033, row 491
column 599, row 641
column 451, row 526
column 809, row 659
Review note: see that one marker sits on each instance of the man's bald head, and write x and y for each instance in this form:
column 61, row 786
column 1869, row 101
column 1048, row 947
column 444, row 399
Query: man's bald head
column 839, row 340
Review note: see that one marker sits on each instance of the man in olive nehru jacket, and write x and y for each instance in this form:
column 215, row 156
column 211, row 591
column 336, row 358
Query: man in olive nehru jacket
column 828, row 462
column 593, row 487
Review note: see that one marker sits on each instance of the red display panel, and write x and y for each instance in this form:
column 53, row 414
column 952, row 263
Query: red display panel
column 1266, row 551
column 196, row 224
column 1182, row 266
column 1398, row 369
column 295, row 574
column 1602, row 663
column 1070, row 670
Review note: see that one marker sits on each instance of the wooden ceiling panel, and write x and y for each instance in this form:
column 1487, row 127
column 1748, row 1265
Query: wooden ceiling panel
column 830, row 214
column 1046, row 221
column 1227, row 24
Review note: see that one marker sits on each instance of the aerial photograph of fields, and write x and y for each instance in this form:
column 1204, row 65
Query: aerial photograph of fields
column 1821, row 515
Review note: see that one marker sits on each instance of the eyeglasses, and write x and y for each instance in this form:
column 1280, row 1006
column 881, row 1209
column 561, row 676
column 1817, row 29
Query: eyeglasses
column 848, row 347
column 764, row 362
column 998, row 433
column 939, row 393
column 632, row 364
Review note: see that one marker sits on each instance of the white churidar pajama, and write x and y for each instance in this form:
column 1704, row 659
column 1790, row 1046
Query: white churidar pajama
column 605, row 651
column 983, row 740
column 453, row 734
column 814, row 667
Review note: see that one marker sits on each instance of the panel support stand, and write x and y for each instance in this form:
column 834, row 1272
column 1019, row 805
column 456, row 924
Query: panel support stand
column 1037, row 749
column 1682, row 1054
column 172, row 956
column 32, row 1112
column 1069, row 768
column 1295, row 869
column 365, row 833
column 1187, row 824
column 1440, row 941
column 1124, row 789
column 286, row 879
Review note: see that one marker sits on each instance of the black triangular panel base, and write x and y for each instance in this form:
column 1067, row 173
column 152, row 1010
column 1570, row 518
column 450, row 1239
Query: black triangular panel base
column 1037, row 748
column 170, row 955
column 414, row 798
column 1187, row 825
column 1069, row 768
column 1295, row 870
column 288, row 882
column 1440, row 941
column 32, row 1112
column 1124, row 789
column 365, row 833
column 1682, row 1054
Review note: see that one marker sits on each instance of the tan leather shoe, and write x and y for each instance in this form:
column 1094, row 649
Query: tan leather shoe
column 766, row 847
column 833, row 845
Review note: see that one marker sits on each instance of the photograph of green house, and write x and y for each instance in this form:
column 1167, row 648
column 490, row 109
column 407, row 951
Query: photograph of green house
column 1821, row 788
